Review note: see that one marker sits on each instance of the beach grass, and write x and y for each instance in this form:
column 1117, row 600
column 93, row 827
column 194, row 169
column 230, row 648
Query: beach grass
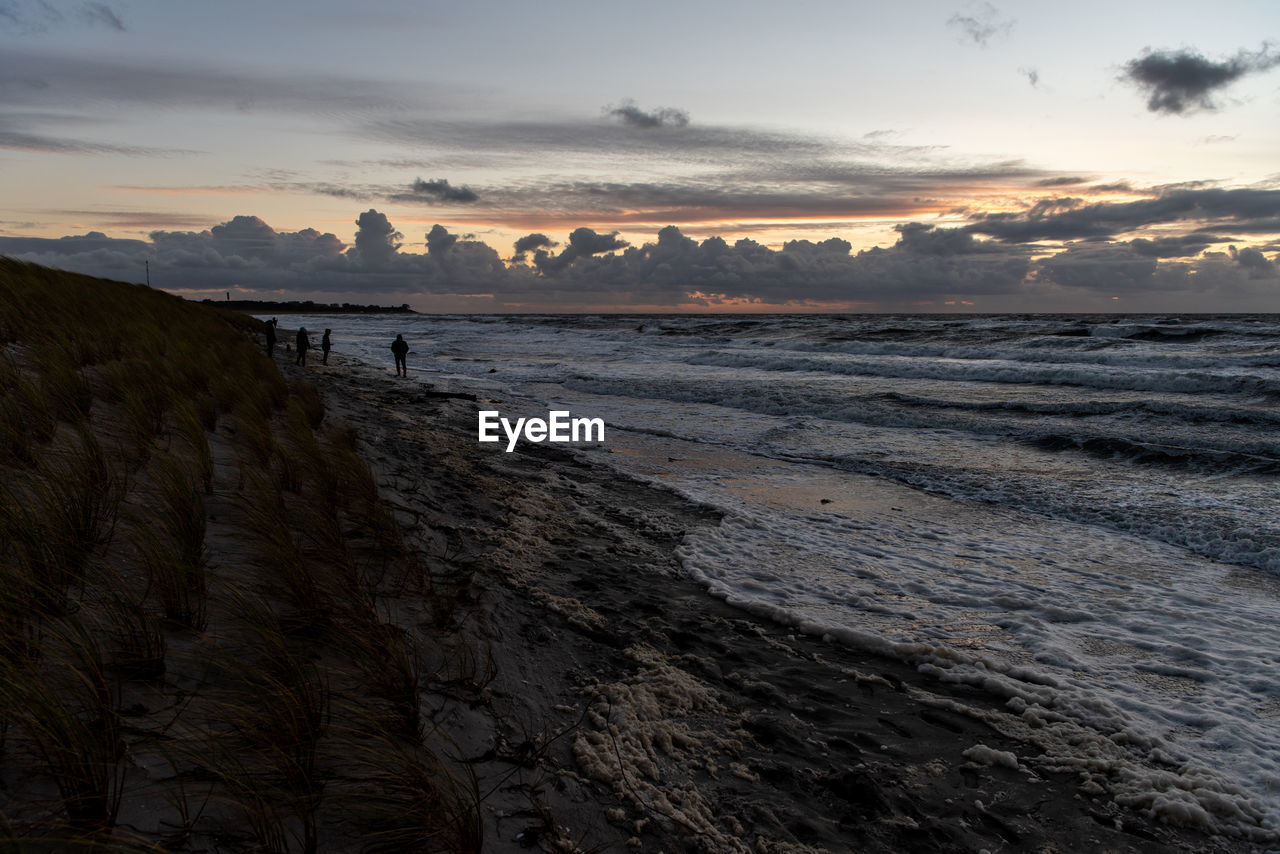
column 197, row 577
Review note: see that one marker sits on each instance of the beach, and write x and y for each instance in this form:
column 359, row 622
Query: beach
column 613, row 703
column 251, row 605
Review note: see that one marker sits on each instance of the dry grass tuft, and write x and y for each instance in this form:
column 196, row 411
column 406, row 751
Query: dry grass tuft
column 235, row 616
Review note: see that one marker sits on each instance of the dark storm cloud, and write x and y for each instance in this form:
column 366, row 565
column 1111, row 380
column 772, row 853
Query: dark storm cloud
column 245, row 237
column 1107, row 268
column 926, row 265
column 439, row 239
column 583, row 243
column 981, row 25
column 1257, row 265
column 630, row 114
column 667, row 270
column 246, row 252
column 921, row 239
column 439, row 190
column 1175, row 247
column 1071, row 219
column 1116, row 269
column 530, row 242
column 377, row 240
column 1183, row 81
column 460, row 263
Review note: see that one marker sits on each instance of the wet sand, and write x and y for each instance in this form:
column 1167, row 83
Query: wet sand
column 603, row 701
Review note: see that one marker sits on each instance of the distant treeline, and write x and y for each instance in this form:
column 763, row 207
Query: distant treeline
column 253, row 306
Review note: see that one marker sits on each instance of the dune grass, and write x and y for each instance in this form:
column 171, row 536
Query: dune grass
column 196, row 582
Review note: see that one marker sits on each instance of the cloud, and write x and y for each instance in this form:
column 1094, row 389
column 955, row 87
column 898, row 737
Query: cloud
column 984, row 23
column 335, row 192
column 438, row 190
column 631, row 115
column 539, row 139
column 377, row 241
column 1209, row 280
column 926, row 265
column 583, row 243
column 83, row 244
column 1070, row 219
column 770, row 193
column 725, row 172
column 1113, row 187
column 247, row 253
column 40, row 16
column 1032, row 75
column 464, row 264
column 20, row 141
column 1183, row 81
column 439, row 240
column 101, row 13
column 1251, row 260
column 530, row 242
column 28, row 131
column 1108, row 268
column 1175, row 247
column 921, row 239
column 669, row 269
column 1062, row 181
column 47, row 80
column 244, row 236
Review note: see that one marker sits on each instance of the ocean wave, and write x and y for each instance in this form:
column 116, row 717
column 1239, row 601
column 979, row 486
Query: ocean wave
column 999, row 371
column 1220, row 532
column 1208, row 412
column 1153, row 453
column 1113, row 353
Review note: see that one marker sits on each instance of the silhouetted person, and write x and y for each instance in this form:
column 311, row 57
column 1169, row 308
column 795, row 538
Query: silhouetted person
column 303, row 346
column 325, row 347
column 271, row 337
column 399, row 349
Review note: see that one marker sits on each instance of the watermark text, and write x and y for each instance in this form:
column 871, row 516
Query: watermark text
column 559, row 426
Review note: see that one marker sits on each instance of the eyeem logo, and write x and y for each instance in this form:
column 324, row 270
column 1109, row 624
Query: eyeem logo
column 558, row 427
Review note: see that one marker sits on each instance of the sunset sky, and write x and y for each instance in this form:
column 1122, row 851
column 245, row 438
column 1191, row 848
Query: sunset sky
column 700, row 156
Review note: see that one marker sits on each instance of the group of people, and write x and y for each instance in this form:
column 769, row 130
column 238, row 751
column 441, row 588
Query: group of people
column 399, row 347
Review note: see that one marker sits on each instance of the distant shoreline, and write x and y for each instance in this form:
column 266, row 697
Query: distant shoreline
column 308, row 307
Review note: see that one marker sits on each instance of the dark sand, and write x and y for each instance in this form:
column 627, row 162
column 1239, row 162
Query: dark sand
column 603, row 701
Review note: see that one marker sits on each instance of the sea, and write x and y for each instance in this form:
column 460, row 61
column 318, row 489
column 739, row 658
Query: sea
column 1077, row 514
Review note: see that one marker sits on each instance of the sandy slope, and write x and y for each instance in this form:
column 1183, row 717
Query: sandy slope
column 603, row 701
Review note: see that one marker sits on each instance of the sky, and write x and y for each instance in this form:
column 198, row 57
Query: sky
column 707, row 156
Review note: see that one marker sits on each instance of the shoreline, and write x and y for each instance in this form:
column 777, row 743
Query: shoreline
column 664, row 718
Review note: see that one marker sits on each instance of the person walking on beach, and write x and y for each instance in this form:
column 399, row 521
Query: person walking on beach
column 325, row 346
column 303, row 346
column 399, row 349
column 271, row 337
